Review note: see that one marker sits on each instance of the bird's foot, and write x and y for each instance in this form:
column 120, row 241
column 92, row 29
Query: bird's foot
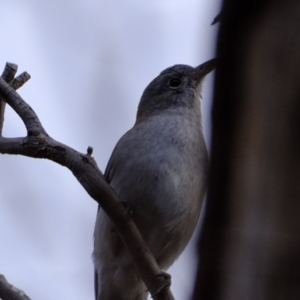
column 162, row 282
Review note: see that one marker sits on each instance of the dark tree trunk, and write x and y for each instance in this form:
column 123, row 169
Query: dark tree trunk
column 250, row 243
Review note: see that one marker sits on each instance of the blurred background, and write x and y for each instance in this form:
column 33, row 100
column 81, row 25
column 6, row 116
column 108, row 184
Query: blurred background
column 89, row 62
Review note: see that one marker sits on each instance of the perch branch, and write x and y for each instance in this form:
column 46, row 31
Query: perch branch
column 38, row 144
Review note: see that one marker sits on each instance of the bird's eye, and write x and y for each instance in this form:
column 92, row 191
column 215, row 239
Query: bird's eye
column 175, row 83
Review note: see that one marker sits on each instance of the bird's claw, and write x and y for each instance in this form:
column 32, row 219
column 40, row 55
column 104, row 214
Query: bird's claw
column 163, row 285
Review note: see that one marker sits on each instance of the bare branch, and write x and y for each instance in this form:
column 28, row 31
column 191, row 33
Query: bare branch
column 9, row 292
column 8, row 74
column 39, row 144
column 25, row 112
column 20, row 80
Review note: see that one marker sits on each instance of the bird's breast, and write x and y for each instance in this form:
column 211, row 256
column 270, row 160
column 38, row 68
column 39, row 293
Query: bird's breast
column 159, row 168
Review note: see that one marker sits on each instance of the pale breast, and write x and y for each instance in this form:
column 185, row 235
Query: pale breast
column 162, row 181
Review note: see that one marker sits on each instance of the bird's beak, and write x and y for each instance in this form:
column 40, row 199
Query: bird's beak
column 205, row 68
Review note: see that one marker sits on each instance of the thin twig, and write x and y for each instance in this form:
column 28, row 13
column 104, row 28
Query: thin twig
column 8, row 74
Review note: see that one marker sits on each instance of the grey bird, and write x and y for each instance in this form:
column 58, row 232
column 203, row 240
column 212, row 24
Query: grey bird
column 159, row 168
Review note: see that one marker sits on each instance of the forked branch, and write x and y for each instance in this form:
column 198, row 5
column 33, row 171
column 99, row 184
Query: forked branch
column 38, row 144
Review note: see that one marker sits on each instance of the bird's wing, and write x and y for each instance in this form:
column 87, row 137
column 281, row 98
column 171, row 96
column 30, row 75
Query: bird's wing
column 108, row 175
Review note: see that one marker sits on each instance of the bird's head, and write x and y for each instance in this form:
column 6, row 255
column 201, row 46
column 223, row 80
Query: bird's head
column 177, row 86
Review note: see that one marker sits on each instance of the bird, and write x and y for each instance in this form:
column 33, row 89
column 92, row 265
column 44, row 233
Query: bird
column 159, row 169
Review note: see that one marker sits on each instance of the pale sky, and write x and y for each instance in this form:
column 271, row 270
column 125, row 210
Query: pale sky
column 90, row 62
